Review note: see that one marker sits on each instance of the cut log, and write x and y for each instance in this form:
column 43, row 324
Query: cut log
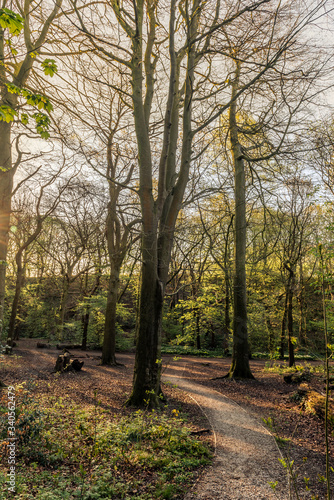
column 199, row 433
column 68, row 346
column 41, row 345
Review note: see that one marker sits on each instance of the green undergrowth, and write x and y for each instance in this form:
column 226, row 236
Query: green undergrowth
column 191, row 351
column 283, row 368
column 69, row 452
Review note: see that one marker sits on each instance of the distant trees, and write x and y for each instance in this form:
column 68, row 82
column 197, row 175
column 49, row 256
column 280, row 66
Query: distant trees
column 165, row 116
column 28, row 225
column 294, row 218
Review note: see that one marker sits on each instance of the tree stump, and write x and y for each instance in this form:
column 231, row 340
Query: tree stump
column 62, row 362
column 65, row 364
column 76, row 365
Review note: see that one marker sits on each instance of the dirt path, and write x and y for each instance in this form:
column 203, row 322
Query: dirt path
column 242, row 467
column 246, row 456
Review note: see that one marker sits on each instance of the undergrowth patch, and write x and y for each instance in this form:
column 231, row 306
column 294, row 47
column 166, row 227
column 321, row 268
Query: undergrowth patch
column 66, row 451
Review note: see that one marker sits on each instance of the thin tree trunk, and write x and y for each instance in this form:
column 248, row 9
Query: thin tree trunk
column 290, row 322
column 283, row 326
column 302, row 311
column 270, row 330
column 109, row 339
column 227, row 317
column 85, row 324
column 16, row 300
column 198, row 332
column 62, row 308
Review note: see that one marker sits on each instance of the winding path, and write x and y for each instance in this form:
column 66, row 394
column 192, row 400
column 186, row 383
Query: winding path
column 246, row 455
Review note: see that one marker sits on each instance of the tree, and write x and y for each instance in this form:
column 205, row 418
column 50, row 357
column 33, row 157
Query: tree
column 35, row 224
column 15, row 71
column 294, row 217
column 97, row 109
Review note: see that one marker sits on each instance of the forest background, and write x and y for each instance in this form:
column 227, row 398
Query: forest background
column 166, row 178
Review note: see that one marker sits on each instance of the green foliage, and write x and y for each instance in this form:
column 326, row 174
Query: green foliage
column 7, row 114
column 29, row 424
column 42, row 124
column 49, row 67
column 192, row 351
column 89, row 454
column 201, row 315
column 11, row 21
column 39, row 101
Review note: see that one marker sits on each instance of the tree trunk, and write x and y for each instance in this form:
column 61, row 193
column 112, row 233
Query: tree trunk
column 198, row 332
column 240, row 360
column 290, row 324
column 109, row 339
column 146, row 382
column 270, row 330
column 227, row 317
column 6, row 187
column 85, row 324
column 283, row 326
column 62, row 309
column 16, row 300
column 302, row 312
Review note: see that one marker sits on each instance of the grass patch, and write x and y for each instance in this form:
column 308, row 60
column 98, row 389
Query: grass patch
column 69, row 452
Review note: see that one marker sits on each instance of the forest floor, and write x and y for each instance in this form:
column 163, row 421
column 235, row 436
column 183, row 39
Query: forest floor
column 299, row 432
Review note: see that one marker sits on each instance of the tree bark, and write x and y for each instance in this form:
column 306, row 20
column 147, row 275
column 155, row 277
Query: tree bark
column 18, row 287
column 85, row 324
column 6, row 187
column 290, row 320
column 146, row 381
column 63, row 307
column 109, row 339
column 240, row 359
column 283, row 326
column 159, row 216
column 198, row 332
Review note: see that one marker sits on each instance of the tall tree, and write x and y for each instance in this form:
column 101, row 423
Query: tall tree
column 15, row 70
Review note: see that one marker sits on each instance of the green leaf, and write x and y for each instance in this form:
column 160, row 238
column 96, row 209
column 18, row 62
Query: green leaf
column 49, row 67
column 12, row 21
column 42, row 124
column 38, row 100
column 7, row 114
column 24, row 118
column 13, row 89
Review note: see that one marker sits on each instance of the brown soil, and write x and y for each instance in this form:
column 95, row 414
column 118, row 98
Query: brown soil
column 266, row 396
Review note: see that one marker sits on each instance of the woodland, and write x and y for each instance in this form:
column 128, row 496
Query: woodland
column 166, row 191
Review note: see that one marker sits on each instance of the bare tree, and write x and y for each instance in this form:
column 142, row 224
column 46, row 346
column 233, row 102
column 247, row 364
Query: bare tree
column 15, row 70
column 36, row 221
